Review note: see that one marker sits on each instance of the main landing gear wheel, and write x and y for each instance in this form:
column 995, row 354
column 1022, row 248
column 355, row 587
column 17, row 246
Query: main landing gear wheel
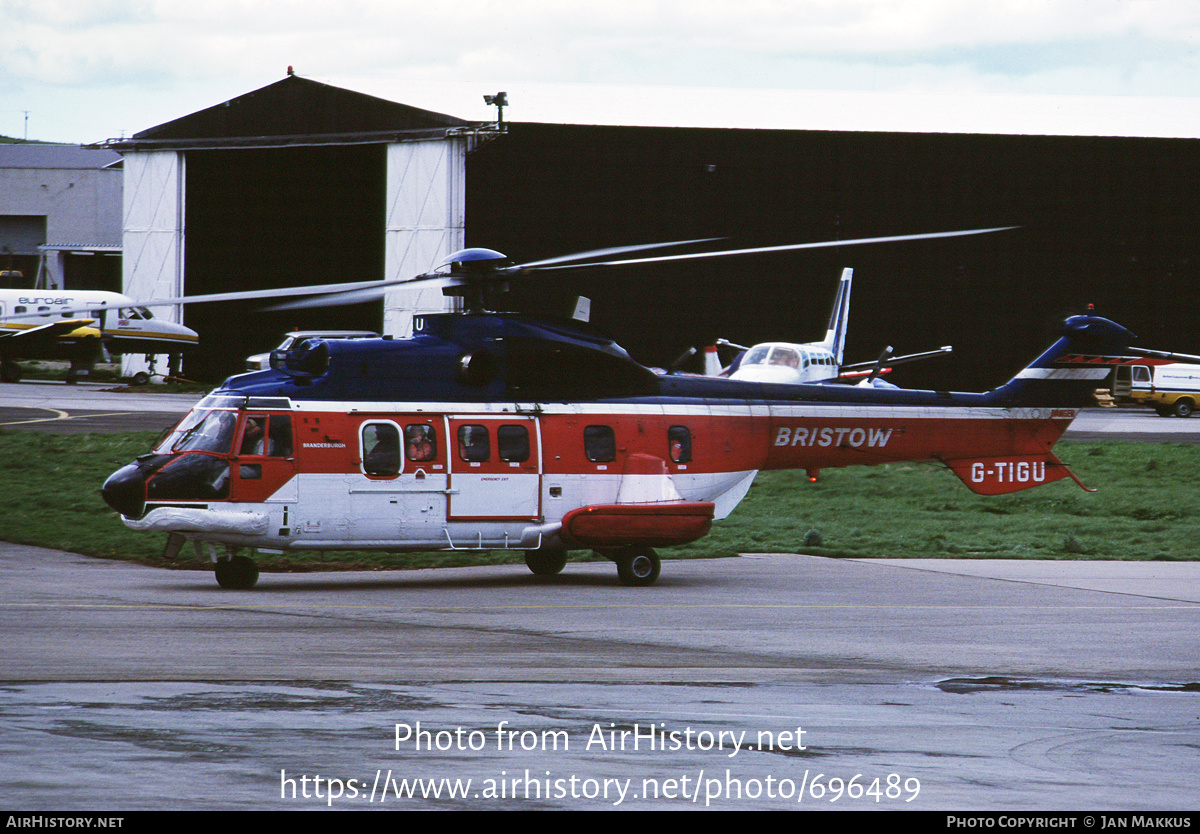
column 238, row 573
column 637, row 566
column 546, row 561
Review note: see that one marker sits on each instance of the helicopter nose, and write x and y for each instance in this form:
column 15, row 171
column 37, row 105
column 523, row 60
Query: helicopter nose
column 125, row 491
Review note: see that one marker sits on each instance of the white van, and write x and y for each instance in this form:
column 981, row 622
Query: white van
column 1171, row 388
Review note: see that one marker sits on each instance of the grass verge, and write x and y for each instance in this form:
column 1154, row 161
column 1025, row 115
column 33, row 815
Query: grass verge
column 1144, row 510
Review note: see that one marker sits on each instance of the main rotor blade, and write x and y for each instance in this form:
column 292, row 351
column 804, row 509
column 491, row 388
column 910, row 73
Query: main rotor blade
column 373, row 293
column 604, row 253
column 786, row 248
column 253, row 295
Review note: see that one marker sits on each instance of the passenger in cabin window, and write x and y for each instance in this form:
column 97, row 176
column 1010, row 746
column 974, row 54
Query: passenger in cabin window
column 473, row 444
column 254, row 437
column 381, row 450
column 680, row 443
column 420, row 443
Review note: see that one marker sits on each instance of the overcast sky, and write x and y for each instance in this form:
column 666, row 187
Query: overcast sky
column 88, row 70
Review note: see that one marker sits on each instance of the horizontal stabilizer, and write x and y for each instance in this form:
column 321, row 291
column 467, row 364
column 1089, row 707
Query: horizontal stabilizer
column 1002, row 475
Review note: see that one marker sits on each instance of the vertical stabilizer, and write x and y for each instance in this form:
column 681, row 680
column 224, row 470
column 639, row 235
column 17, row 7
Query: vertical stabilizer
column 1068, row 374
column 835, row 336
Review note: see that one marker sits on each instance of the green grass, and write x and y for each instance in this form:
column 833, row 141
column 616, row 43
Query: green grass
column 1144, row 510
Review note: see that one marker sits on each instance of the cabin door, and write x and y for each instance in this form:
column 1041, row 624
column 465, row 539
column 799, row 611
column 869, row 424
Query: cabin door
column 495, row 467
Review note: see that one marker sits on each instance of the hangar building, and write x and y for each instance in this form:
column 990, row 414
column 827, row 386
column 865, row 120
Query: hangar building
column 305, row 183
column 60, row 216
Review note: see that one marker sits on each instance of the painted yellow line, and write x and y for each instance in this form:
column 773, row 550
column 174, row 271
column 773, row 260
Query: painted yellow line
column 62, row 415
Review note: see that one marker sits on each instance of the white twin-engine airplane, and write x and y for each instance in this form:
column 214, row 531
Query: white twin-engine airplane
column 789, row 362
column 487, row 431
column 78, row 326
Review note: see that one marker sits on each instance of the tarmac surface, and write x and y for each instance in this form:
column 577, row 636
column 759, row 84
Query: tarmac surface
column 760, row 682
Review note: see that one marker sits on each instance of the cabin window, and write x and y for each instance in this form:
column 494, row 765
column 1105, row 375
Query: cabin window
column 758, row 356
column 474, row 445
column 679, row 441
column 267, row 436
column 1141, row 373
column 420, row 443
column 381, row 449
column 785, row 356
column 512, row 443
column 600, row 444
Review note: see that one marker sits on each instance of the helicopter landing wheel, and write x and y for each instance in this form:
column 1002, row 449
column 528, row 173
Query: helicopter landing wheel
column 546, row 561
column 238, row 573
column 638, row 566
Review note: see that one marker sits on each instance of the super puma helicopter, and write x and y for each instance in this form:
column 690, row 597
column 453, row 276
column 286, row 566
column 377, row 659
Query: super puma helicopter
column 488, row 431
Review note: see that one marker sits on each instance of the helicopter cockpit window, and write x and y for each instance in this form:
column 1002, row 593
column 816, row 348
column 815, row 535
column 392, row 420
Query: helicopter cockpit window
column 512, row 443
column 420, row 443
column 679, row 440
column 600, row 444
column 474, row 446
column 381, row 449
column 212, row 432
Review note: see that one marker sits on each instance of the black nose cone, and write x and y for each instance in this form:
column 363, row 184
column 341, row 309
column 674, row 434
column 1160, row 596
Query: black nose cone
column 125, row 491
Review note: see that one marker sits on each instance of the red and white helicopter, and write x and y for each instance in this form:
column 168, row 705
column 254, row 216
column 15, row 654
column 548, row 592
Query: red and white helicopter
column 489, row 431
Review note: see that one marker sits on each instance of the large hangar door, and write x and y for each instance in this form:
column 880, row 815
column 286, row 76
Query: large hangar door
column 263, row 218
column 153, row 235
column 426, row 220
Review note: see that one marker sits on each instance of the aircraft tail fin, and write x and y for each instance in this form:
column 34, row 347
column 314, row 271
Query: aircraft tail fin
column 712, row 361
column 835, row 335
column 1067, row 375
column 1011, row 473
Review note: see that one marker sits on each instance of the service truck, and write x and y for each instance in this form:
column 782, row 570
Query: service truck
column 1170, row 388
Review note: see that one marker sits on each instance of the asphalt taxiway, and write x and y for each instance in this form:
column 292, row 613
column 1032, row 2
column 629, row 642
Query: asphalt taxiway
column 744, row 683
column 757, row 682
